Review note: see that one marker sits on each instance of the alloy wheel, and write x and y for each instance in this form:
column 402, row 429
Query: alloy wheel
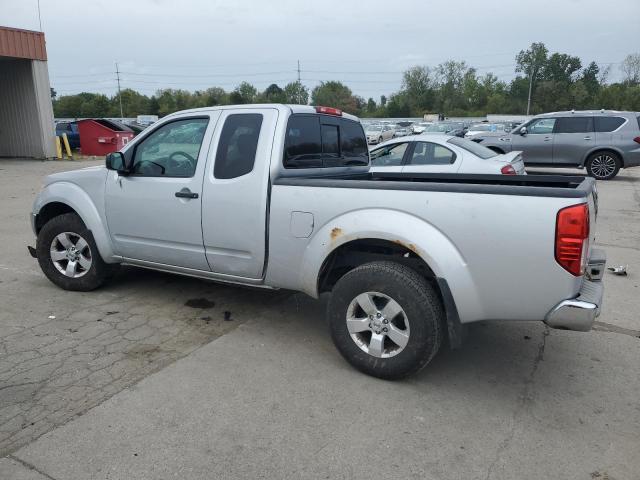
column 603, row 166
column 71, row 254
column 377, row 324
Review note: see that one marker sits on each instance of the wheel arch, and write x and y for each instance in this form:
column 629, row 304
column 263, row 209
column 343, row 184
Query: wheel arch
column 599, row 149
column 65, row 197
column 366, row 235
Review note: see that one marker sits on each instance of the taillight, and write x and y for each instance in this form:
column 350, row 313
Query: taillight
column 508, row 170
column 572, row 238
column 329, row 111
column 637, row 139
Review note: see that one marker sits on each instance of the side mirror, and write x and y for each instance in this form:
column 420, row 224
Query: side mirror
column 116, row 161
column 523, row 131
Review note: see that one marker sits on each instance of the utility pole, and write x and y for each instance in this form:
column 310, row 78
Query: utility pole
column 39, row 17
column 530, row 87
column 120, row 95
column 299, row 84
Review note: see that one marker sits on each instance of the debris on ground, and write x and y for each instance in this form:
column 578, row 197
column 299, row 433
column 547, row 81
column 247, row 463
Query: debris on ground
column 619, row 270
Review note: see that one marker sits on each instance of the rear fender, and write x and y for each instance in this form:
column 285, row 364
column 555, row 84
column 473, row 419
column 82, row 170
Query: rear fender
column 76, row 198
column 415, row 234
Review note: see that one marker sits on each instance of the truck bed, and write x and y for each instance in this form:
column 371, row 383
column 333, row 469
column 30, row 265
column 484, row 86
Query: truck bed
column 530, row 185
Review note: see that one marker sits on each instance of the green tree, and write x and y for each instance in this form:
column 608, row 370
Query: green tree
column 335, row 94
column 274, row 94
column 531, row 62
column 371, row 106
column 296, row 93
column 631, row 69
column 244, row 93
column 418, row 85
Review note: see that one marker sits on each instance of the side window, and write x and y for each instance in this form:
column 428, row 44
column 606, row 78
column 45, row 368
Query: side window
column 609, row 124
column 352, row 140
column 427, row 153
column 172, row 150
column 303, row 146
column 237, row 146
column 574, row 125
column 389, row 156
column 541, row 126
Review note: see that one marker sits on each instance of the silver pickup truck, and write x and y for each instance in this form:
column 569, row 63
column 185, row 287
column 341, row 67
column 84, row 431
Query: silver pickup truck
column 277, row 196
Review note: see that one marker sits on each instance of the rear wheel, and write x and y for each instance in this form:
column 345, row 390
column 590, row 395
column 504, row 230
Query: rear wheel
column 603, row 165
column 379, row 139
column 68, row 255
column 386, row 320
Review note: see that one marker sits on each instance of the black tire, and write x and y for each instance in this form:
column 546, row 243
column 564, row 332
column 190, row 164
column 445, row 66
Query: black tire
column 91, row 278
column 380, row 140
column 419, row 302
column 603, row 165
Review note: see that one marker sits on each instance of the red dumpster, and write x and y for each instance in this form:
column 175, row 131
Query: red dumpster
column 99, row 136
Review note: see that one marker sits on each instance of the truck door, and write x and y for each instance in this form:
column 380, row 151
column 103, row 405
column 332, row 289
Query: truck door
column 235, row 192
column 537, row 143
column 154, row 214
column 573, row 137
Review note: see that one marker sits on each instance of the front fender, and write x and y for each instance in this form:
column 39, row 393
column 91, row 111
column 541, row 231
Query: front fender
column 425, row 240
column 75, row 197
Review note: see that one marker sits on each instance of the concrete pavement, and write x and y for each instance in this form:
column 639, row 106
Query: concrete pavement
column 273, row 399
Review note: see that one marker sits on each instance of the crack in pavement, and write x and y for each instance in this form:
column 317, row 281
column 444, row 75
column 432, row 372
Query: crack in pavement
column 524, row 400
column 30, row 467
column 610, row 328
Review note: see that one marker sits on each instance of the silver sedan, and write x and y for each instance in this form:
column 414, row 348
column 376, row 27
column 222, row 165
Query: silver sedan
column 442, row 154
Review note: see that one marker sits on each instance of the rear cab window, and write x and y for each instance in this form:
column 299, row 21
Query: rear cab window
column 320, row 141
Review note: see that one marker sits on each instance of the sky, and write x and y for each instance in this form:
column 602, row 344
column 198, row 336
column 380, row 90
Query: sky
column 195, row 44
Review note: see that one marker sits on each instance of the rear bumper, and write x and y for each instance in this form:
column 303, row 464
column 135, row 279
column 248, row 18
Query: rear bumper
column 579, row 313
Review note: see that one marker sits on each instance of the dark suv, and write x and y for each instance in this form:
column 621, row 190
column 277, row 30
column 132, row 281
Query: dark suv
column 602, row 141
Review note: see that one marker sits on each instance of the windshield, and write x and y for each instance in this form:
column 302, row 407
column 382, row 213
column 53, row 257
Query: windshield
column 473, row 147
column 374, row 128
column 480, row 128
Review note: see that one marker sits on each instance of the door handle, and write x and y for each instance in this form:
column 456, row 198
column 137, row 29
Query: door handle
column 186, row 193
column 587, row 138
column 547, row 139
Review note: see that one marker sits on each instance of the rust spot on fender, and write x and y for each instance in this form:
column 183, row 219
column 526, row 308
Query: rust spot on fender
column 335, row 233
column 409, row 246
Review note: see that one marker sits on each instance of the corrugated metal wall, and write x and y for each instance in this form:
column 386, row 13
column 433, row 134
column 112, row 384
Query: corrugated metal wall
column 18, row 43
column 26, row 114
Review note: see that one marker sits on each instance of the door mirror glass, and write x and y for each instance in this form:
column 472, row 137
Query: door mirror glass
column 523, row 130
column 116, row 161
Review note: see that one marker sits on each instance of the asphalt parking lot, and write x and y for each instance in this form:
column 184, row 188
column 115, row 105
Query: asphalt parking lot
column 158, row 376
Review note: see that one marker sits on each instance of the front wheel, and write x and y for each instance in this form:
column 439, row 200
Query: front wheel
column 379, row 139
column 68, row 255
column 385, row 319
column 603, row 165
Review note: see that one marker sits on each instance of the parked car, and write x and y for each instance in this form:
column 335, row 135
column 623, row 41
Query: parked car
column 379, row 133
column 402, row 131
column 486, row 129
column 419, row 128
column 443, row 154
column 457, row 129
column 279, row 196
column 71, row 129
column 601, row 141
